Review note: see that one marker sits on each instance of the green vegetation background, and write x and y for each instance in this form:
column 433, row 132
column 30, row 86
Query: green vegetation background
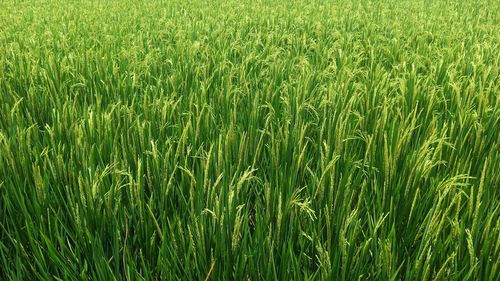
column 249, row 140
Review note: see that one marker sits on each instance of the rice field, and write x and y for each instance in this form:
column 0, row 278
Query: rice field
column 250, row 140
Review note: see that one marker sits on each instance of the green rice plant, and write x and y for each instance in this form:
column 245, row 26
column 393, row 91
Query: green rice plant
column 249, row 140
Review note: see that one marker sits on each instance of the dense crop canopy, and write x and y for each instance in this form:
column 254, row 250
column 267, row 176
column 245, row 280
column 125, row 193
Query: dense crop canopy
column 250, row 140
